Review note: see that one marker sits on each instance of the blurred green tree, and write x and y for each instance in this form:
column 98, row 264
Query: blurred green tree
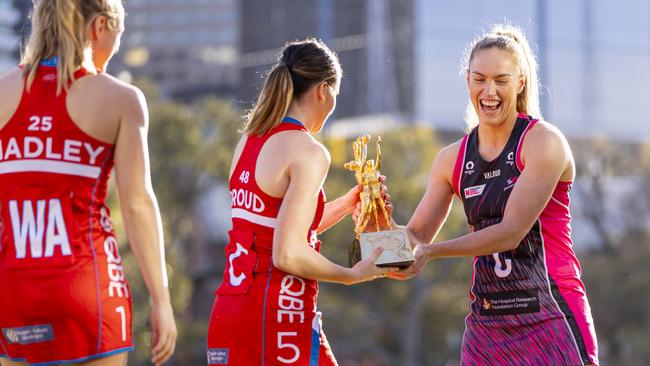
column 616, row 273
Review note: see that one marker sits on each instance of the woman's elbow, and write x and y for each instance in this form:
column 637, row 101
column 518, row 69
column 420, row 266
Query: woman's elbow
column 512, row 238
column 509, row 244
column 281, row 260
column 137, row 204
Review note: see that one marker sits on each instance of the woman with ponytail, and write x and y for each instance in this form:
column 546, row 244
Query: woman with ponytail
column 64, row 124
column 265, row 310
column 512, row 172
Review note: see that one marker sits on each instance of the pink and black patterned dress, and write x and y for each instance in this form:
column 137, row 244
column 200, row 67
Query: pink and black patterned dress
column 528, row 305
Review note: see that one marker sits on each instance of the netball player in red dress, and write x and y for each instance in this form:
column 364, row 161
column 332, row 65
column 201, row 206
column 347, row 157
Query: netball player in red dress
column 513, row 173
column 64, row 124
column 265, row 310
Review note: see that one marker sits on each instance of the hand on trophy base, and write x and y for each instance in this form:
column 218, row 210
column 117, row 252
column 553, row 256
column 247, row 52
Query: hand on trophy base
column 397, row 248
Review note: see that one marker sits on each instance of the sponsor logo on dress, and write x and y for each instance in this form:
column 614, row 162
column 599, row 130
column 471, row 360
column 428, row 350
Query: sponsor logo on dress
column 492, row 174
column 474, row 191
column 218, row 356
column 509, row 302
column 511, row 182
column 105, row 220
column 469, row 167
column 11, row 336
column 487, row 305
column 29, row 334
column 511, row 158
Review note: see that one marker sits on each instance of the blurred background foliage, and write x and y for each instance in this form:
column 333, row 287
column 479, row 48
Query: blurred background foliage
column 385, row 322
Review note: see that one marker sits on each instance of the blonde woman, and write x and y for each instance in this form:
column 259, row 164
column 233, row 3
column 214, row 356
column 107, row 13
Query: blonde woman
column 512, row 172
column 64, row 124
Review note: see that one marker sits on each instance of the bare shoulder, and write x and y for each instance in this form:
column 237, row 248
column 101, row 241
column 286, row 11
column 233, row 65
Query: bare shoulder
column 11, row 88
column 545, row 142
column 446, row 159
column 300, row 147
column 113, row 84
column 316, row 149
column 13, row 77
column 113, row 90
column 544, row 135
column 450, row 152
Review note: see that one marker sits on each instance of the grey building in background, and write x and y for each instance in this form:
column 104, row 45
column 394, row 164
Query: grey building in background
column 401, row 58
column 374, row 41
column 9, row 41
column 23, row 25
column 594, row 61
column 188, row 47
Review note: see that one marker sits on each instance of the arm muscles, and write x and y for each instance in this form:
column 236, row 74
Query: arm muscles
column 290, row 250
column 527, row 200
column 137, row 199
column 434, row 207
column 334, row 211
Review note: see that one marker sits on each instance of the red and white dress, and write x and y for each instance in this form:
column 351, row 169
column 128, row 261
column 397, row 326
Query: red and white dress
column 263, row 315
column 64, row 295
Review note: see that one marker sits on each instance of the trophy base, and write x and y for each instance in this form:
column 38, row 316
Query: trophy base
column 400, row 265
column 354, row 252
column 397, row 248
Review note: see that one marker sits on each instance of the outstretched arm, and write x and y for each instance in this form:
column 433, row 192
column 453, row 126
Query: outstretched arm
column 433, row 208
column 339, row 208
column 551, row 159
column 290, row 250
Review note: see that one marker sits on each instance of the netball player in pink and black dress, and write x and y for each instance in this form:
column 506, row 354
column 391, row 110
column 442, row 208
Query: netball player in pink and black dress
column 512, row 172
column 265, row 311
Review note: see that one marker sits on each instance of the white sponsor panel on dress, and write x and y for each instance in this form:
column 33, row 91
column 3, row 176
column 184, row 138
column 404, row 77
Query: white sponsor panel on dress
column 474, row 191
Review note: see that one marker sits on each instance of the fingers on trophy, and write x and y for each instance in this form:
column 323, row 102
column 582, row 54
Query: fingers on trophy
column 397, row 250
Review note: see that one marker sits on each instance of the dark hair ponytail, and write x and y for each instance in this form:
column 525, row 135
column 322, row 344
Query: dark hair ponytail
column 301, row 65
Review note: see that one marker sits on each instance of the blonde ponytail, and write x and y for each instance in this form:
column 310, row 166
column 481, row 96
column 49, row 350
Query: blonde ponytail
column 509, row 38
column 273, row 102
column 58, row 28
column 301, row 65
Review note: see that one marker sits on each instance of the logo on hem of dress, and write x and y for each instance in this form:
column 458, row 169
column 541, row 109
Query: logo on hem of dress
column 218, row 356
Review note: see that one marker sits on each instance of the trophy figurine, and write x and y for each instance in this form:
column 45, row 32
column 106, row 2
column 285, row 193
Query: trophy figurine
column 397, row 249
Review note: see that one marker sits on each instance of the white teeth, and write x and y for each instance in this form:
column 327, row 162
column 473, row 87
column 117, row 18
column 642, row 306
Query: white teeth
column 490, row 103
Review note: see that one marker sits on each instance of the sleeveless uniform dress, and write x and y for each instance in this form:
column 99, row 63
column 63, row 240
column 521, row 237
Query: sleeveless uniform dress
column 528, row 305
column 64, row 296
column 261, row 314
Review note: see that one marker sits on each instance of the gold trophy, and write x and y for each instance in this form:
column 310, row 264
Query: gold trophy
column 397, row 249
